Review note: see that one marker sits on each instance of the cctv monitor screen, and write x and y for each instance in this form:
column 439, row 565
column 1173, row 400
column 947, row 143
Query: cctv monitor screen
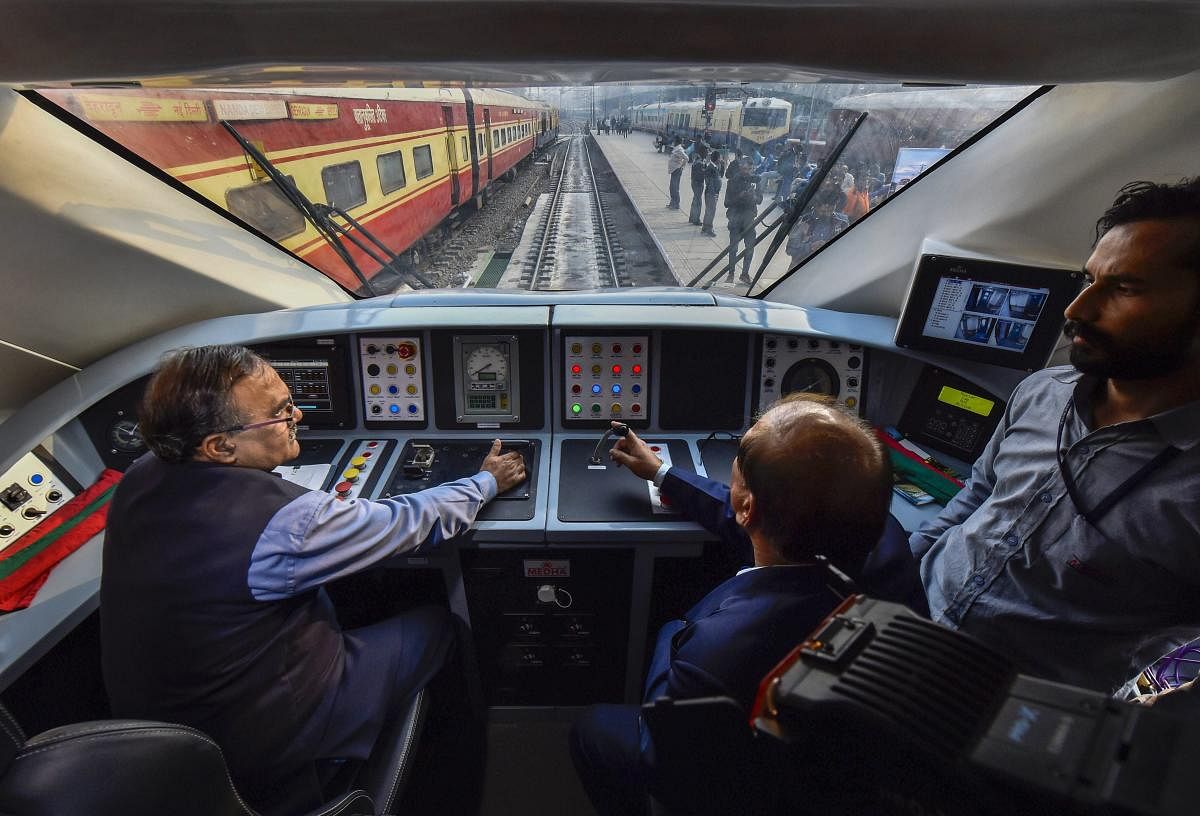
column 985, row 311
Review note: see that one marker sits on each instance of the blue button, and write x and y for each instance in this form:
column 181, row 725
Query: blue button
column 616, row 388
column 393, row 389
column 977, row 580
column 412, row 409
column 36, row 479
column 596, row 388
column 1046, row 498
column 637, row 389
column 395, row 409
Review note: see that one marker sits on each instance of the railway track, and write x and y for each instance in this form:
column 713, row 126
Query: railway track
column 569, row 241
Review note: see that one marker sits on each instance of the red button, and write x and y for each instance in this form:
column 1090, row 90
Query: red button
column 637, row 409
column 616, row 348
column 366, row 454
column 344, row 488
column 575, row 389
column 637, row 348
column 575, row 369
column 637, row 369
column 655, row 448
column 372, row 444
column 616, row 369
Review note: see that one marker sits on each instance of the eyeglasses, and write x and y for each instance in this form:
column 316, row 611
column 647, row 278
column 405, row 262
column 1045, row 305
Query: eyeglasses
column 289, row 409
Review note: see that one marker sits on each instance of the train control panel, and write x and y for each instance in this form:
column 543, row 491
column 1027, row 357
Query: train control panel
column 566, row 576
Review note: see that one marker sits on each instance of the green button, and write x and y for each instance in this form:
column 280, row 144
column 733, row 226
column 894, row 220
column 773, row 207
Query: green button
column 576, row 408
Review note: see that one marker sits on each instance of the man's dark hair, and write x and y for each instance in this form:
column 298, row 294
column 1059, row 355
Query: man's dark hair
column 821, row 482
column 1147, row 201
column 189, row 398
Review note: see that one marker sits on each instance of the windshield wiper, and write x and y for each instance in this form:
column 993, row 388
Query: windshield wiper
column 320, row 216
column 787, row 220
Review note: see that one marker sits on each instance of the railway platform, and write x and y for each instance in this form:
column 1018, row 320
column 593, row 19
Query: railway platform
column 643, row 172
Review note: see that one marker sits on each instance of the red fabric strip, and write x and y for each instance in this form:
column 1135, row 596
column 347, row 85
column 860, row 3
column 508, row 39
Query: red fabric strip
column 17, row 590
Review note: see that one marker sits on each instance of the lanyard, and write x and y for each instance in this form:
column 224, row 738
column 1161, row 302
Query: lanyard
column 1126, row 487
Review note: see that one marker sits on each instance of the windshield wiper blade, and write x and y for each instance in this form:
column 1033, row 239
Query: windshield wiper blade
column 319, row 215
column 788, row 220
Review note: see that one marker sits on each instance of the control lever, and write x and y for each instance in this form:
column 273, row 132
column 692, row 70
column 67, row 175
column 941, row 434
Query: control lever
column 620, row 429
column 421, row 463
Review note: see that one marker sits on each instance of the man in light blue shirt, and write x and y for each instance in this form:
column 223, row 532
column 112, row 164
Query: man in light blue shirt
column 1075, row 547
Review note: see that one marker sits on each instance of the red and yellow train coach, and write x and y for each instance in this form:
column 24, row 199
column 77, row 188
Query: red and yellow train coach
column 397, row 160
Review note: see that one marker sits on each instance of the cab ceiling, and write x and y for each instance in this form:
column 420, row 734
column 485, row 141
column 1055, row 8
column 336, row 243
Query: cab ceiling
column 490, row 42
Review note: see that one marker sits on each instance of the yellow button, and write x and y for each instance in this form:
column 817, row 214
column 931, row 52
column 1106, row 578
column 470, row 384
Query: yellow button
column 851, row 402
column 412, row 389
column 595, row 348
column 351, row 474
column 374, row 389
column 410, row 369
column 596, row 370
column 616, row 407
column 576, row 348
column 391, row 369
column 358, row 461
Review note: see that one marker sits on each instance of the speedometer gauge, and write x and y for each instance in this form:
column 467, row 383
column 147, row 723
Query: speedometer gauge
column 487, row 365
column 812, row 376
column 485, row 378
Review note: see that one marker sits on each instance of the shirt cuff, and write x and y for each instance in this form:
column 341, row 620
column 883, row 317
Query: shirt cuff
column 661, row 474
column 487, row 485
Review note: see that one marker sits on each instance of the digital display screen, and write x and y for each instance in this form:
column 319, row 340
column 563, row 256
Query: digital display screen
column 968, row 402
column 486, row 376
column 984, row 313
column 315, row 374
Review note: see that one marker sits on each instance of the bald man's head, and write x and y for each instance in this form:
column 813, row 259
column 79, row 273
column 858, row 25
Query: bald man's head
column 820, row 479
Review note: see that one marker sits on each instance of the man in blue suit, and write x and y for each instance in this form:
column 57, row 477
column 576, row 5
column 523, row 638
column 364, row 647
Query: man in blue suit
column 810, row 489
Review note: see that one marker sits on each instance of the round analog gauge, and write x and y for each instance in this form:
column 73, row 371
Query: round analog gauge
column 124, row 437
column 487, row 364
column 812, row 376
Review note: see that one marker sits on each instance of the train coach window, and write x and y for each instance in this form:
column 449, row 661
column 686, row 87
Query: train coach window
column 391, row 171
column 423, row 161
column 265, row 208
column 463, row 153
column 344, row 185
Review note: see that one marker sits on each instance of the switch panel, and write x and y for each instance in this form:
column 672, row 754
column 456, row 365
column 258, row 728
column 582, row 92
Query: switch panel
column 29, row 492
column 362, row 468
column 606, row 378
column 813, row 365
column 392, row 379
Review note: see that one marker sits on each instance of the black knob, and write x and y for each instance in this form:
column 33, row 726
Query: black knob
column 852, row 382
column 770, row 362
column 54, row 496
column 769, row 382
column 391, row 349
column 854, row 362
column 771, row 344
column 6, row 530
column 372, row 349
column 32, row 512
column 373, row 370
column 793, row 344
column 375, row 409
column 814, row 344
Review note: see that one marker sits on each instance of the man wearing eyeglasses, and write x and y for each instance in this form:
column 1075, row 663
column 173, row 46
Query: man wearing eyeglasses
column 213, row 611
column 1075, row 547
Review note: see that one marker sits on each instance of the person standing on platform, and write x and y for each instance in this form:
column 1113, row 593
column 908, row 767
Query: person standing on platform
column 741, row 208
column 675, row 164
column 699, row 159
column 712, row 189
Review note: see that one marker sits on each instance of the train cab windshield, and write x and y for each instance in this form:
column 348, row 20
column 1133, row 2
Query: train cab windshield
column 386, row 189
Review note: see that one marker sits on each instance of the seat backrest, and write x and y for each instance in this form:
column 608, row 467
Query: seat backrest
column 706, row 758
column 124, row 767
